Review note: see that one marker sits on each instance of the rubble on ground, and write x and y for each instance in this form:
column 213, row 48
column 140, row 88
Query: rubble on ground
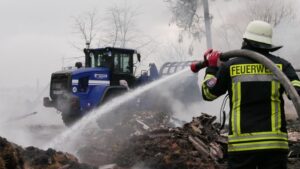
column 147, row 139
column 139, row 141
column 197, row 144
column 142, row 140
column 104, row 145
column 293, row 127
column 13, row 156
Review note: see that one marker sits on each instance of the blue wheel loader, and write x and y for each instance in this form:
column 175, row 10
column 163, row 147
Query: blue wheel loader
column 107, row 73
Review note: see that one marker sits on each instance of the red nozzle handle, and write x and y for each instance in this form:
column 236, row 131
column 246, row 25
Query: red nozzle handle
column 196, row 66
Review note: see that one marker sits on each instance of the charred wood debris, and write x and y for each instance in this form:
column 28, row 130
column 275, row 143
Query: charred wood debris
column 197, row 144
column 145, row 140
column 13, row 156
column 148, row 141
column 293, row 127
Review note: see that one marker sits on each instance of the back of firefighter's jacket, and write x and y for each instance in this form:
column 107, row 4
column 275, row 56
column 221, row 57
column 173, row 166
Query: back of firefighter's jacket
column 257, row 119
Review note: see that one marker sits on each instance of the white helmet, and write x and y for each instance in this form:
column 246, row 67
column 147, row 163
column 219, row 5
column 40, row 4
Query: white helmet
column 260, row 31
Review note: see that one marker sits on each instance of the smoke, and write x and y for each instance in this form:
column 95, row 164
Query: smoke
column 23, row 119
column 177, row 95
column 230, row 19
column 288, row 36
column 184, row 97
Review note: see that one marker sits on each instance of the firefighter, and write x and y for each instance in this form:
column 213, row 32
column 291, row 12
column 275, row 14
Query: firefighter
column 257, row 127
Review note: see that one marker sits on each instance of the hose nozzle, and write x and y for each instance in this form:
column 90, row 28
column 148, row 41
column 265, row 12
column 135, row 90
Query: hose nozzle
column 197, row 66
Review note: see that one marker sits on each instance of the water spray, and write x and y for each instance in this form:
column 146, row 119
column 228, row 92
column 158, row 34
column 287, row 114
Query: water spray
column 73, row 132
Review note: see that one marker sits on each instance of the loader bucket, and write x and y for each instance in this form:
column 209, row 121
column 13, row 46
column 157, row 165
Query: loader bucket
column 173, row 67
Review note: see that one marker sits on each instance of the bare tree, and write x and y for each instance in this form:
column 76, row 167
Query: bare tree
column 121, row 30
column 188, row 15
column 271, row 11
column 118, row 29
column 87, row 27
column 121, row 25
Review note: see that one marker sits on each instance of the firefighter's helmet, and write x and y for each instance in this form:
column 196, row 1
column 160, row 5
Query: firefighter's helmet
column 259, row 34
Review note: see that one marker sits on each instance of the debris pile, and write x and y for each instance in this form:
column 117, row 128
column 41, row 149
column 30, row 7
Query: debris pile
column 100, row 147
column 293, row 127
column 148, row 138
column 13, row 156
column 197, row 144
column 294, row 155
column 141, row 140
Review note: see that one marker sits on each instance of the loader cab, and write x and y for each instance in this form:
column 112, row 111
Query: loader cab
column 120, row 63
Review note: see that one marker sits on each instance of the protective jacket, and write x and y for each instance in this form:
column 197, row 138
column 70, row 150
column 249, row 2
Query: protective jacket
column 257, row 119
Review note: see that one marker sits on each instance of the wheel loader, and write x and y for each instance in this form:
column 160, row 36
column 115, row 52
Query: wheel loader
column 108, row 72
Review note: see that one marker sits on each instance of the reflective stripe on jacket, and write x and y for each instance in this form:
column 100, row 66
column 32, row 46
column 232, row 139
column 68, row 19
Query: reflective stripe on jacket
column 257, row 119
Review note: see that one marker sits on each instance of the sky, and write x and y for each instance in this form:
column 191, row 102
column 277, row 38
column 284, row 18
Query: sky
column 35, row 35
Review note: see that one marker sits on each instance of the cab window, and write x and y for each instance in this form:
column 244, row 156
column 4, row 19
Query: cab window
column 122, row 63
column 99, row 60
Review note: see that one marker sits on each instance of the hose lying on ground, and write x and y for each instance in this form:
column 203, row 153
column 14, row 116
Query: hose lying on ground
column 289, row 88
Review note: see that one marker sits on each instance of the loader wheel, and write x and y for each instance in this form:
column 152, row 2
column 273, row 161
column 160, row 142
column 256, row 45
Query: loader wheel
column 68, row 119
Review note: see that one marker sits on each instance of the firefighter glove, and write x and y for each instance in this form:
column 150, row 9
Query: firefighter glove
column 213, row 58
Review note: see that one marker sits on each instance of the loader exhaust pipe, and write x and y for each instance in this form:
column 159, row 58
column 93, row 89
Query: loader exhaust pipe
column 289, row 88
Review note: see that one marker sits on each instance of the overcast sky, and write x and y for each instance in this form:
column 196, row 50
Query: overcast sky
column 36, row 34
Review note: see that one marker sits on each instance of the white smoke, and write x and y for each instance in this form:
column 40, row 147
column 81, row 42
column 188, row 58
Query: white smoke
column 24, row 120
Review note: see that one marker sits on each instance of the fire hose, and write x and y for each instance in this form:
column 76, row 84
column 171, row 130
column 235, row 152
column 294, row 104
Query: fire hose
column 285, row 82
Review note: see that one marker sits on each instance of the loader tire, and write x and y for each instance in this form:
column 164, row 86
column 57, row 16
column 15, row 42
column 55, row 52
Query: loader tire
column 68, row 119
